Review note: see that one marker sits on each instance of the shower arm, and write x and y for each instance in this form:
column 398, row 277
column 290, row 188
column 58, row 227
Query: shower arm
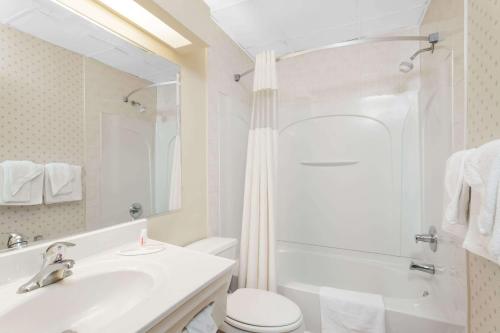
column 432, row 38
column 154, row 85
column 427, row 49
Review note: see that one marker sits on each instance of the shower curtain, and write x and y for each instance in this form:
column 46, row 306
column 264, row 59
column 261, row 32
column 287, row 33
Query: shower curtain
column 175, row 176
column 175, row 197
column 257, row 252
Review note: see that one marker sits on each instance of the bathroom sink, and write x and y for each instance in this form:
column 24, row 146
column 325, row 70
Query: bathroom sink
column 109, row 292
column 92, row 297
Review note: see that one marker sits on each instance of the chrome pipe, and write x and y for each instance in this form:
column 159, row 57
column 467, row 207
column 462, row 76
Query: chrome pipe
column 432, row 38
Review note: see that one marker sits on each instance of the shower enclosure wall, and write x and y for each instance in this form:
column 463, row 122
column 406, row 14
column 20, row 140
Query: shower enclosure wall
column 361, row 155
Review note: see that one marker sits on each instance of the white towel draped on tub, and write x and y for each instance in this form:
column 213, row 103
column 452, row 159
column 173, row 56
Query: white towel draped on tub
column 345, row 311
column 21, row 183
column 67, row 186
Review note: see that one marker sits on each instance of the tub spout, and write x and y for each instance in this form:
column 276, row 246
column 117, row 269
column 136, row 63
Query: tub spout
column 426, row 268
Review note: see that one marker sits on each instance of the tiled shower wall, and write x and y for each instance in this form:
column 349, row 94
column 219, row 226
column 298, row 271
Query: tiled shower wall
column 483, row 121
column 443, row 113
column 224, row 59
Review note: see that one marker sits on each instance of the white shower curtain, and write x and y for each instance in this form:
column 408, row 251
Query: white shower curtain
column 257, row 253
column 174, row 201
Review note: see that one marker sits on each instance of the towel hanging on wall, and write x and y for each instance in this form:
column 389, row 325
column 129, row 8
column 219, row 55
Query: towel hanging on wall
column 21, row 183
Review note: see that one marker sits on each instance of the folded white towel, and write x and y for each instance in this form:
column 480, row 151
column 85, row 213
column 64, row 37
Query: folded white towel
column 60, row 177
column 17, row 180
column 76, row 188
column 344, row 311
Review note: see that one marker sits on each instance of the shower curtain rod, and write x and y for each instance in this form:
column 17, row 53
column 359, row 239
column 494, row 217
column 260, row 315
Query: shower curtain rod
column 154, row 85
column 432, row 38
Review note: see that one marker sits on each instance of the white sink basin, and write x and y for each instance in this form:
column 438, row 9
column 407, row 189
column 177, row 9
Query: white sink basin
column 95, row 295
column 112, row 293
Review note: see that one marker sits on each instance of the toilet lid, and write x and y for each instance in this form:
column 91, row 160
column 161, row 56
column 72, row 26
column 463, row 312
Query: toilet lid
column 262, row 308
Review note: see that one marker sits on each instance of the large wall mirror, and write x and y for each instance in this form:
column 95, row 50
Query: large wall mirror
column 89, row 125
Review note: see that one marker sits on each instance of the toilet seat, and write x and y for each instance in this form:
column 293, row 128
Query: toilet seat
column 260, row 311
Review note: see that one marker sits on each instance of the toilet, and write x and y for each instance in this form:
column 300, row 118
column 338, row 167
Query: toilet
column 252, row 310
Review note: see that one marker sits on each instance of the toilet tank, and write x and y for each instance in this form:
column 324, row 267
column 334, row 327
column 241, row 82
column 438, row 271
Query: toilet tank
column 218, row 246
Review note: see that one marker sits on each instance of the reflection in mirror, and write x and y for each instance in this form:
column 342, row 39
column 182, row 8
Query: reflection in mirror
column 89, row 125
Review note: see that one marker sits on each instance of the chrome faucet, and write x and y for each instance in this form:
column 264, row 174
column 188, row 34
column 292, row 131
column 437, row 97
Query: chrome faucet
column 54, row 268
column 426, row 268
column 430, row 238
column 16, row 240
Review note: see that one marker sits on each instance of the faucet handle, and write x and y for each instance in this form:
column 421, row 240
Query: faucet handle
column 430, row 238
column 16, row 240
column 56, row 249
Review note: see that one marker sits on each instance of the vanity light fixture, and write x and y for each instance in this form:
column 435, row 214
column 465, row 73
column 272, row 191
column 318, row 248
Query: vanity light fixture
column 138, row 15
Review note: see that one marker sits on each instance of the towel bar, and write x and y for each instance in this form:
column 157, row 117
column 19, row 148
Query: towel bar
column 328, row 164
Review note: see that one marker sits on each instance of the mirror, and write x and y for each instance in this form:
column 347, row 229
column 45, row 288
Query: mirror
column 98, row 117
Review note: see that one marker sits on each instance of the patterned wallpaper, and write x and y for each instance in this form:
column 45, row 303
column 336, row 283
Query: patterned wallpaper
column 483, row 121
column 41, row 94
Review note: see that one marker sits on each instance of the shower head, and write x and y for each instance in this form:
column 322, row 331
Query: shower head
column 141, row 108
column 405, row 66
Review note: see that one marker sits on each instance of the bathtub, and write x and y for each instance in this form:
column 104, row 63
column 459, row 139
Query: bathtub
column 410, row 305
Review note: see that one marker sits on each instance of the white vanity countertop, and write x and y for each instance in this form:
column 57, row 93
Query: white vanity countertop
column 110, row 293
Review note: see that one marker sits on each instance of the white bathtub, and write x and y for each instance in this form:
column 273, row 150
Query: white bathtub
column 410, row 306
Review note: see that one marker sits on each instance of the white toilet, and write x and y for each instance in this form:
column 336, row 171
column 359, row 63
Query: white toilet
column 252, row 310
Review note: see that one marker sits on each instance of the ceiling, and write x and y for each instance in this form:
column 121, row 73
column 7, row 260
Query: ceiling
column 294, row 25
column 48, row 21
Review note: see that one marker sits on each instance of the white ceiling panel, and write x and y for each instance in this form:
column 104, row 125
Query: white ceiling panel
column 298, row 18
column 373, row 9
column 250, row 25
column 220, row 4
column 56, row 25
column 294, row 25
column 396, row 21
column 12, row 9
column 323, row 37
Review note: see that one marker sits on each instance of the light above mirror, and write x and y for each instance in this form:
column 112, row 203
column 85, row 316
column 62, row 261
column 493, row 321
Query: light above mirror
column 144, row 19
